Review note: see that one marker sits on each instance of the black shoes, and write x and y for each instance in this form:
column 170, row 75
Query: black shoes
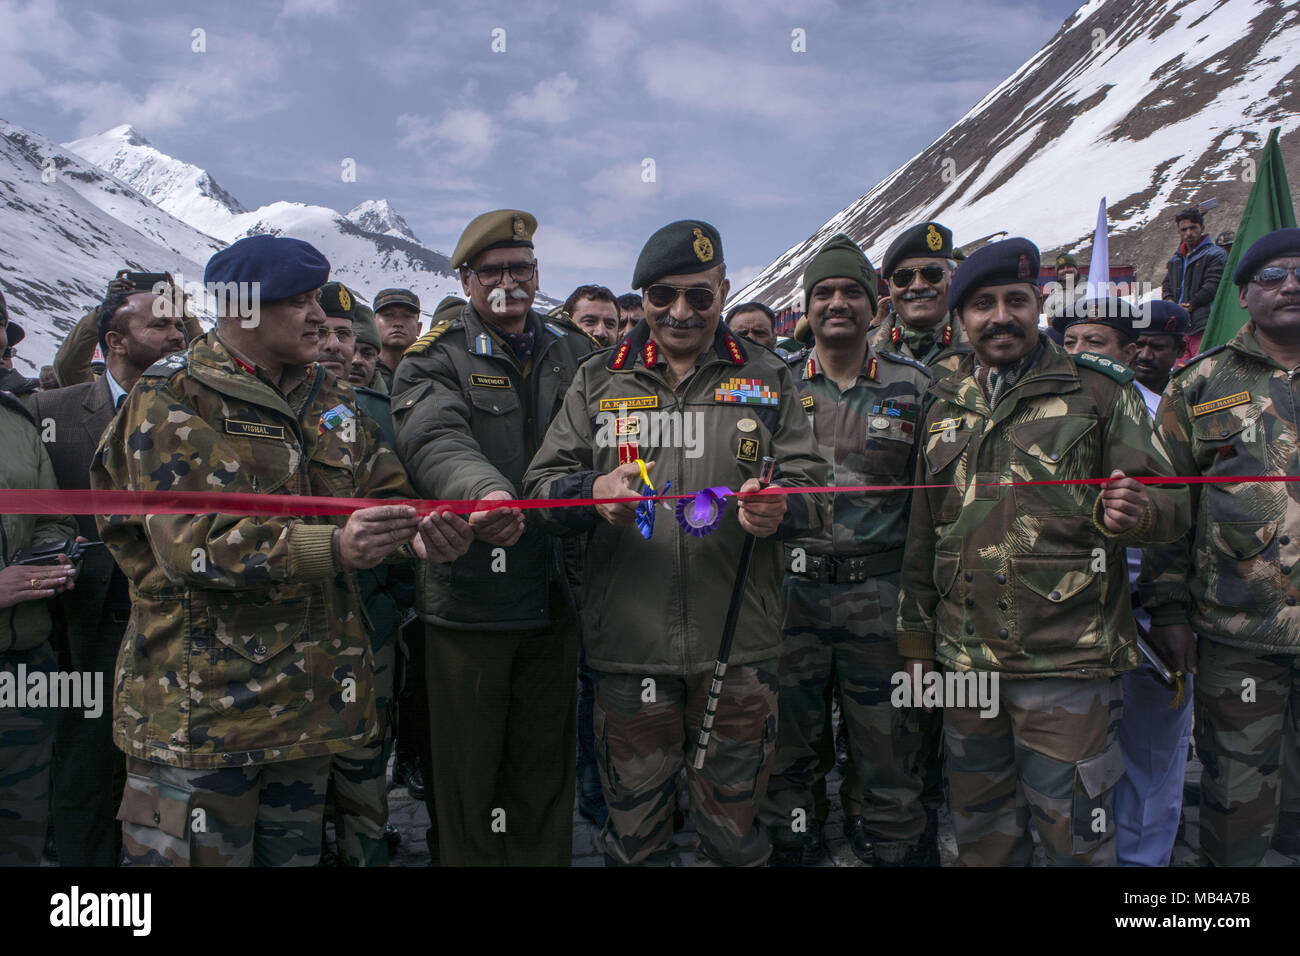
column 408, row 775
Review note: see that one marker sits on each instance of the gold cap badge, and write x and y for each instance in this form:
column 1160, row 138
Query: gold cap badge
column 933, row 239
column 345, row 300
column 702, row 246
column 520, row 227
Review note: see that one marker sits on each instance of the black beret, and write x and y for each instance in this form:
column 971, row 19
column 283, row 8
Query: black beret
column 4, row 309
column 337, row 301
column 284, row 267
column 14, row 333
column 679, row 248
column 928, row 240
column 999, row 263
column 1275, row 245
column 1112, row 312
column 1165, row 318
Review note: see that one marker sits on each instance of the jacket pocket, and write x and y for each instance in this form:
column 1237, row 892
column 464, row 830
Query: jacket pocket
column 1045, row 449
column 158, row 818
column 1243, row 569
column 1056, row 600
column 1092, row 816
column 942, row 455
column 1232, row 443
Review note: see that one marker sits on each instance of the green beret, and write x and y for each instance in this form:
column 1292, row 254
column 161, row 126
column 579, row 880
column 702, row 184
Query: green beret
column 679, row 248
column 926, row 240
column 1065, row 259
column 363, row 325
column 840, row 258
column 387, row 297
column 337, row 301
column 957, row 254
column 499, row 229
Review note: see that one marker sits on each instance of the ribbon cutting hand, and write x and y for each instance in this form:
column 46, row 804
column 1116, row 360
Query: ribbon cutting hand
column 619, row 483
column 500, row 526
column 444, row 536
column 760, row 514
column 1123, row 500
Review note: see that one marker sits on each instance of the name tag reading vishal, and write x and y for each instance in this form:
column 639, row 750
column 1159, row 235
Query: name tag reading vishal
column 254, row 429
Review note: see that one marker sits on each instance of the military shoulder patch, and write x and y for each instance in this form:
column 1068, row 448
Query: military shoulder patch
column 1197, row 358
column 168, row 365
column 904, row 360
column 425, row 341
column 1107, row 366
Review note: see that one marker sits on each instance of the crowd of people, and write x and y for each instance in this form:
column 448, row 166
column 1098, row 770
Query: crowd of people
column 969, row 543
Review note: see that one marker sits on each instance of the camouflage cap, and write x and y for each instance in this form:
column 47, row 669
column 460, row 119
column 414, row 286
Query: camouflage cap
column 499, row 229
column 388, row 297
column 926, row 240
column 684, row 247
column 337, row 301
column 363, row 326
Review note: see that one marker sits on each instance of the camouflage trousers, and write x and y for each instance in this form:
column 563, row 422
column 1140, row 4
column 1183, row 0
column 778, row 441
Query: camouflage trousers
column 359, row 779
column 1243, row 700
column 259, row 815
column 646, row 734
column 843, row 635
column 26, row 752
column 1049, row 754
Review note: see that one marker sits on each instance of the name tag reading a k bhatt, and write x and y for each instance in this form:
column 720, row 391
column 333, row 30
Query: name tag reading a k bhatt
column 254, row 429
column 1219, row 404
column 631, row 401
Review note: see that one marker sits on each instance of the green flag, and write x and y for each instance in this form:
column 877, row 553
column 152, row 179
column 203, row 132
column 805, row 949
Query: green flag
column 1268, row 208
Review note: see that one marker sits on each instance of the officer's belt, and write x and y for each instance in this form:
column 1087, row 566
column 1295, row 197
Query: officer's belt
column 844, row 568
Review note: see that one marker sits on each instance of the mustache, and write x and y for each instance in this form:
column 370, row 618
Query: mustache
column 499, row 293
column 914, row 296
column 671, row 323
column 1009, row 329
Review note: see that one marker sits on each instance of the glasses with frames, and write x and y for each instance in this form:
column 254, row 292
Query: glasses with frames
column 1274, row 276
column 663, row 296
column 519, row 271
column 903, row 277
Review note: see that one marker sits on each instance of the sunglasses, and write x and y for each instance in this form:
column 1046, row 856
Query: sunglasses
column 1274, row 276
column 902, row 278
column 663, row 296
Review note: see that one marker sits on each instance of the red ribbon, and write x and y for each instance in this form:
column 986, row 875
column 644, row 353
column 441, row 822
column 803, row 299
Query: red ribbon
column 40, row 501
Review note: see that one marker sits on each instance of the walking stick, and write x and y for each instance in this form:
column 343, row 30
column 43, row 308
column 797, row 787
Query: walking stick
column 729, row 630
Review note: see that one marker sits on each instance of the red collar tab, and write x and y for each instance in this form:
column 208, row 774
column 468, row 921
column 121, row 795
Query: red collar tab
column 895, row 335
column 809, row 368
column 651, row 354
column 871, row 368
column 244, row 365
column 946, row 338
column 620, row 357
column 734, row 350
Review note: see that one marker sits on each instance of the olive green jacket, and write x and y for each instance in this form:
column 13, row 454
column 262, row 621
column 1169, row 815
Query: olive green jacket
column 1026, row 580
column 657, row 606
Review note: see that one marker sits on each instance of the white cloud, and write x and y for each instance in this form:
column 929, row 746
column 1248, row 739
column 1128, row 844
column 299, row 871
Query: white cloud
column 310, row 8
column 707, row 79
column 608, row 41
column 463, row 137
column 549, row 102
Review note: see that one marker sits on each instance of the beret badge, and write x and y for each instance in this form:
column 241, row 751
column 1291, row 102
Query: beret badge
column 345, row 300
column 933, row 239
column 702, row 245
column 1022, row 269
column 520, row 227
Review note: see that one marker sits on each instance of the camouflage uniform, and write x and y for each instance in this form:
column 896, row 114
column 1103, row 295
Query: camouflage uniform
column 245, row 665
column 26, row 732
column 841, row 608
column 1231, row 412
column 653, row 610
column 940, row 349
column 1026, row 583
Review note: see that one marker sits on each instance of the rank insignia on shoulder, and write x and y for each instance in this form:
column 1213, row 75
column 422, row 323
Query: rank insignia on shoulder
column 422, row 344
column 1116, row 370
column 944, row 424
column 1219, row 404
column 489, row 381
column 557, row 331
column 747, row 450
column 631, row 401
column 483, row 344
column 254, row 429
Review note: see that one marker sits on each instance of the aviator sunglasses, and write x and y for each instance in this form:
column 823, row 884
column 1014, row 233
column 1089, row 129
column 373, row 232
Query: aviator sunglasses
column 662, row 296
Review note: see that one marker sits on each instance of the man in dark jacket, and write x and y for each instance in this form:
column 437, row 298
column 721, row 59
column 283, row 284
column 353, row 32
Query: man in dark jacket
column 1194, row 270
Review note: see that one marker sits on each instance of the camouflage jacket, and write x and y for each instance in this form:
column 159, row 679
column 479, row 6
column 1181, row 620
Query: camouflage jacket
column 25, row 464
column 868, row 434
column 1026, row 580
column 943, row 357
column 469, row 418
column 1231, row 412
column 657, row 606
column 245, row 643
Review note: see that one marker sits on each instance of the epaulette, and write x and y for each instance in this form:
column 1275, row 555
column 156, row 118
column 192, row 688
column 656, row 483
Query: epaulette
column 366, row 390
column 425, row 341
column 168, row 365
column 1107, row 366
column 1196, row 358
column 904, row 360
column 563, row 324
column 12, row 401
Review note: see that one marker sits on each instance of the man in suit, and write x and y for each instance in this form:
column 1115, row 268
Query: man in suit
column 136, row 329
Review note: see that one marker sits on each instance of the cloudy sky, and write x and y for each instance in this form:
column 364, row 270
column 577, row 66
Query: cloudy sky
column 604, row 120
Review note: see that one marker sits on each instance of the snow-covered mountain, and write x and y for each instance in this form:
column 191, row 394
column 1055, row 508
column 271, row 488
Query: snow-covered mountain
column 1154, row 104
column 67, row 228
column 369, row 248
